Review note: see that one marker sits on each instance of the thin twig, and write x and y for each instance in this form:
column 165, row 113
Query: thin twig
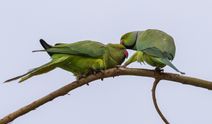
column 155, row 101
column 107, row 73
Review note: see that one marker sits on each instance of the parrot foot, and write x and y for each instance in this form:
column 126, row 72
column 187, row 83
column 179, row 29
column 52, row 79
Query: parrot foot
column 157, row 69
column 80, row 76
column 99, row 71
column 102, row 72
column 93, row 71
column 102, row 79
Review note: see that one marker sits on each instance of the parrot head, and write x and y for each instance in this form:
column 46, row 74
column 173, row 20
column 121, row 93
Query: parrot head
column 129, row 39
column 118, row 52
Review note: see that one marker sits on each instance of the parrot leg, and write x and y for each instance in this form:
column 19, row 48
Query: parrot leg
column 137, row 56
column 94, row 71
column 91, row 71
column 80, row 76
column 100, row 71
column 158, row 69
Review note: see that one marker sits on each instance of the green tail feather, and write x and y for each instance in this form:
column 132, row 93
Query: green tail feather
column 167, row 62
column 37, row 71
column 42, row 69
column 15, row 78
column 153, row 51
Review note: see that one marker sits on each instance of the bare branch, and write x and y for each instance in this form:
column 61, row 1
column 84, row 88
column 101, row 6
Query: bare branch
column 107, row 73
column 155, row 101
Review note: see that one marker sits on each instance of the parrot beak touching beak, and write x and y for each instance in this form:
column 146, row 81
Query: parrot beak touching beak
column 126, row 54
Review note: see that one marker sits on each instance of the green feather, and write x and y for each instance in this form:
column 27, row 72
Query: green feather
column 167, row 62
column 84, row 48
column 153, row 38
column 137, row 56
column 158, row 47
column 81, row 58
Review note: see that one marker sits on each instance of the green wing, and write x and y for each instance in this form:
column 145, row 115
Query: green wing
column 156, row 40
column 83, row 48
column 153, row 52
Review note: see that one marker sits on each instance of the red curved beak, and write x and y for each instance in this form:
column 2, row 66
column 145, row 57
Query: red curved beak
column 126, row 53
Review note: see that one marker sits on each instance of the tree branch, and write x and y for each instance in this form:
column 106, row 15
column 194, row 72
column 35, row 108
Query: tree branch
column 107, row 73
column 155, row 101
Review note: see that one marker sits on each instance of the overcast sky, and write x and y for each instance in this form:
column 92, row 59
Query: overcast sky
column 122, row 100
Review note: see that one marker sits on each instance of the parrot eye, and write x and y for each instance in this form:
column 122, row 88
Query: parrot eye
column 126, row 53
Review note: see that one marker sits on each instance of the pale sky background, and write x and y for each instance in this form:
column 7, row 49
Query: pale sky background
column 122, row 100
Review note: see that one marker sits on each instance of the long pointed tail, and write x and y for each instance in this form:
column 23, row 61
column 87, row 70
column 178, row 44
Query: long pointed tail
column 167, row 62
column 37, row 71
column 15, row 78
column 42, row 69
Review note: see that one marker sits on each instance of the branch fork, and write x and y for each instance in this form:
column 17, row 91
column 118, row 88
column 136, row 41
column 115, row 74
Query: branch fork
column 105, row 74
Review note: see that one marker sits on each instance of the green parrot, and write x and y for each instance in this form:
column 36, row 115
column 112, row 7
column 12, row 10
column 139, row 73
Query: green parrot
column 81, row 58
column 153, row 46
